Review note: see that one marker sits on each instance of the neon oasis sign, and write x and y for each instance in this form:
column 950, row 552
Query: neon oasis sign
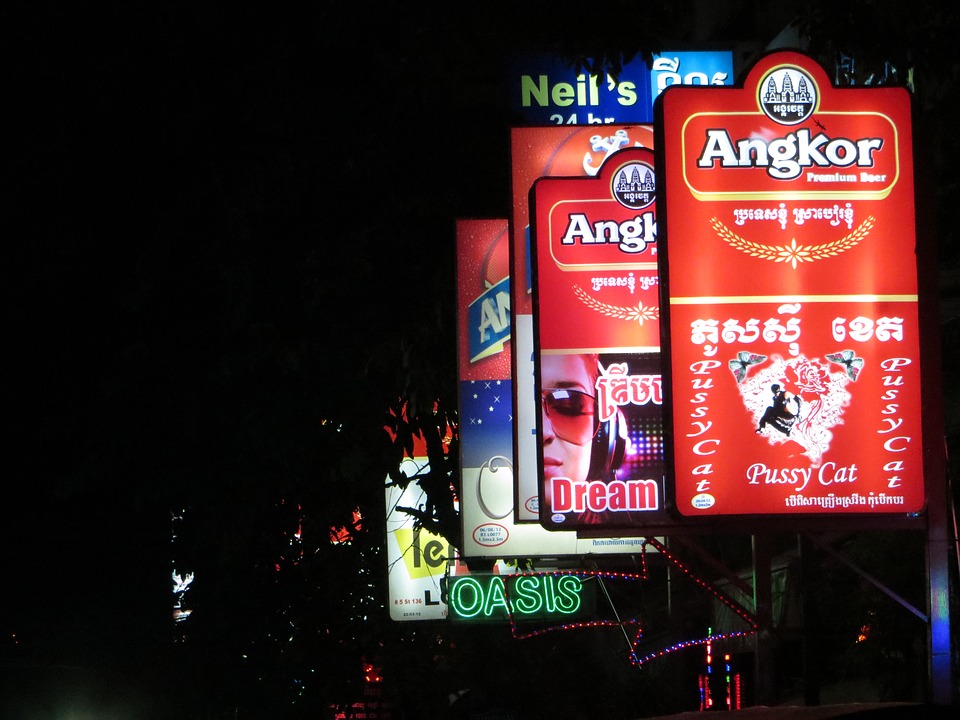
column 480, row 598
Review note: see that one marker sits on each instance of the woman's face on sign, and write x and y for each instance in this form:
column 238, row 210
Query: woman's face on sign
column 568, row 416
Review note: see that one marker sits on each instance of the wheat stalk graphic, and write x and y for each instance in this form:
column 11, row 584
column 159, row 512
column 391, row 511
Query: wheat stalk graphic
column 638, row 313
column 793, row 253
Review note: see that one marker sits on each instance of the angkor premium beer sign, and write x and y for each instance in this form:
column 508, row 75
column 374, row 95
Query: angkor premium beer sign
column 597, row 365
column 790, row 295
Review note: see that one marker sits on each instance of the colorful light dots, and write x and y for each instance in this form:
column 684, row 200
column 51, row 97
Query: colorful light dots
column 691, row 643
column 733, row 690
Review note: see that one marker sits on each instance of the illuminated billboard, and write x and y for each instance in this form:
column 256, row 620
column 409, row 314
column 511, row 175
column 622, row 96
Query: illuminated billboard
column 790, row 317
column 597, row 337
column 486, row 410
column 418, row 561
column 537, row 153
column 548, row 91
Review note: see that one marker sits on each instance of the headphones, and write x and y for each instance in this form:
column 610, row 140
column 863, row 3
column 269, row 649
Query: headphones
column 609, row 447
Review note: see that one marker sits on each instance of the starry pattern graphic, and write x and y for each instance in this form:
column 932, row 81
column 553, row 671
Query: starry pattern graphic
column 486, row 420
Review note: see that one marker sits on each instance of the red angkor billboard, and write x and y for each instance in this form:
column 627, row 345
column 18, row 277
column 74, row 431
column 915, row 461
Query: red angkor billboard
column 790, row 315
column 537, row 152
column 596, row 323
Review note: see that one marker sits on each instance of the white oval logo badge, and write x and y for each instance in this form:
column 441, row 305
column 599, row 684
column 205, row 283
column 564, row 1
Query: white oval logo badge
column 703, row 501
column 490, row 535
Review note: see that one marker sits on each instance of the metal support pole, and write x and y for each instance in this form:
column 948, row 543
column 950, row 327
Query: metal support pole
column 763, row 602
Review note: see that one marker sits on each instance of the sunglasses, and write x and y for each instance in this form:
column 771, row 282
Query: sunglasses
column 572, row 414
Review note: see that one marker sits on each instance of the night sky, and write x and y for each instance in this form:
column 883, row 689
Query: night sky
column 214, row 217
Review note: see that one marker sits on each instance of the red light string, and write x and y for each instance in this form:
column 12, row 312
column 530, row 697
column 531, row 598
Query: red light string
column 744, row 614
column 643, row 575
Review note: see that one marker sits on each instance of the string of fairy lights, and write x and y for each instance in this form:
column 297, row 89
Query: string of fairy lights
column 633, row 624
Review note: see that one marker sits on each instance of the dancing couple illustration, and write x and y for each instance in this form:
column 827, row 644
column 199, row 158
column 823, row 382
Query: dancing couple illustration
column 782, row 412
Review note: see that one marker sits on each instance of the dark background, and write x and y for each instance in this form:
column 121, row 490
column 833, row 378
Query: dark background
column 230, row 247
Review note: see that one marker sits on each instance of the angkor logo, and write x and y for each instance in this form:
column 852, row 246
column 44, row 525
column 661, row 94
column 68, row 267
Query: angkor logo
column 787, row 95
column 634, row 186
